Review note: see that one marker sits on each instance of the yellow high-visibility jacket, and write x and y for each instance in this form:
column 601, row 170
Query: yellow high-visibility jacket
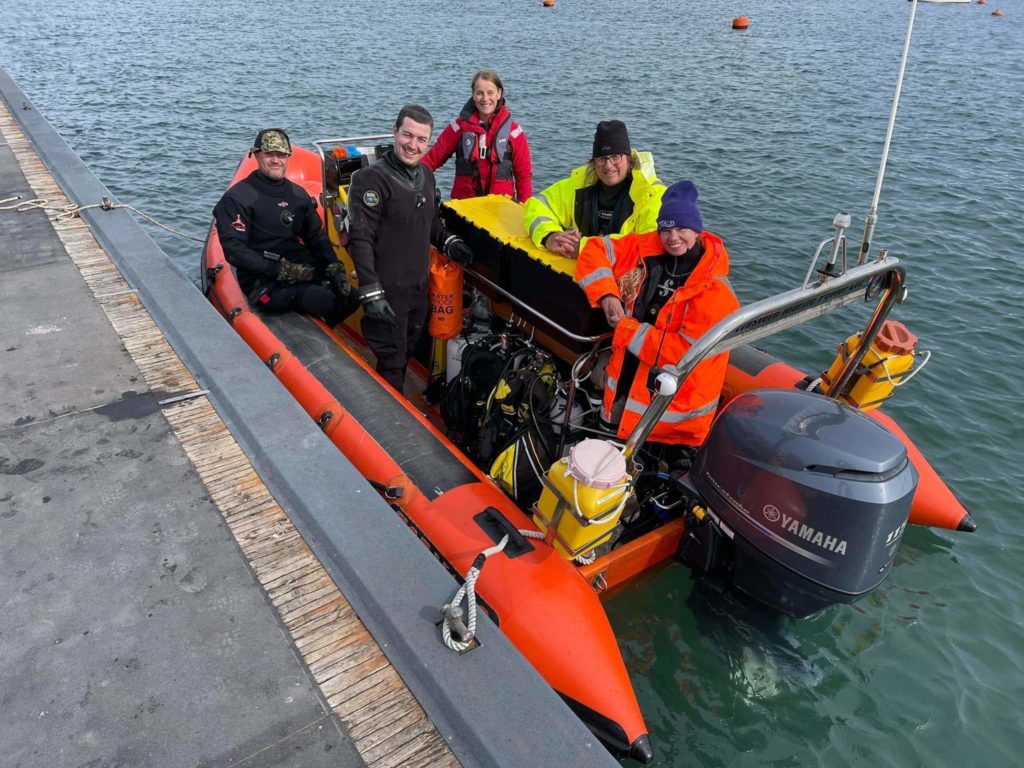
column 554, row 209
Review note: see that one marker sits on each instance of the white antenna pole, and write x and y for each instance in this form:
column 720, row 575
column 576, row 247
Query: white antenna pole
column 869, row 222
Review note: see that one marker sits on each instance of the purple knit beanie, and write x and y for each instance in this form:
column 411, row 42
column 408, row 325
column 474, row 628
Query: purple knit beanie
column 679, row 208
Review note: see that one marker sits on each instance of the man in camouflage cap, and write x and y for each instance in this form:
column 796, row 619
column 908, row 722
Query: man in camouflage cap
column 272, row 235
column 272, row 140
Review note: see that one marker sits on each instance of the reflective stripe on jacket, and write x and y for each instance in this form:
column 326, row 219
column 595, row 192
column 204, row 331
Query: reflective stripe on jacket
column 705, row 298
column 554, row 209
column 504, row 167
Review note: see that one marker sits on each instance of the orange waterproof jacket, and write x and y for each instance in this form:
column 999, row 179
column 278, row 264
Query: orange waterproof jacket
column 705, row 298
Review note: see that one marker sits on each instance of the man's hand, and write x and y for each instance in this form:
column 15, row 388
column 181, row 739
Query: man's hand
column 613, row 309
column 564, row 243
column 380, row 310
column 457, row 250
column 290, row 272
column 375, row 305
column 339, row 280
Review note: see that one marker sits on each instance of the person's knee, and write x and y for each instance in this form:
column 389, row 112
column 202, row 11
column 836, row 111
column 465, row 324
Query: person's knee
column 317, row 300
column 382, row 338
column 343, row 309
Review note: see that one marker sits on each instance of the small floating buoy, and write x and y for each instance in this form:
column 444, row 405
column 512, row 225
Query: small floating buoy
column 549, row 3
column 982, row 2
column 997, row 12
column 740, row 22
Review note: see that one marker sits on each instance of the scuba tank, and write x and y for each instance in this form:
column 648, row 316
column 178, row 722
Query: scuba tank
column 880, row 371
column 583, row 497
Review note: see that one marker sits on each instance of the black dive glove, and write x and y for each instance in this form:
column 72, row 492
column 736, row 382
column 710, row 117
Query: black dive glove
column 375, row 305
column 290, row 272
column 338, row 280
column 457, row 250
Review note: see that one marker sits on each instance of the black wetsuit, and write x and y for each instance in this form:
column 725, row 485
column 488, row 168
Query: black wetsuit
column 601, row 210
column 261, row 221
column 393, row 220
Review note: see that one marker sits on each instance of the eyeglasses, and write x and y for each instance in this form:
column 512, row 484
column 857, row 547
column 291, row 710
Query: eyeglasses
column 609, row 160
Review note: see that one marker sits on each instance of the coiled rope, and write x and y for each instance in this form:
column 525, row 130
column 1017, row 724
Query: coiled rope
column 457, row 632
column 465, row 631
column 74, row 211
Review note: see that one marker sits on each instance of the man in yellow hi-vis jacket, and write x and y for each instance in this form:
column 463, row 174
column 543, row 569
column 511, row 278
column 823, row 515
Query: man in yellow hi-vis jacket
column 615, row 193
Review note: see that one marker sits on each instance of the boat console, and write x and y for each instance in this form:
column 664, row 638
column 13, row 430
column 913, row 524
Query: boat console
column 508, row 267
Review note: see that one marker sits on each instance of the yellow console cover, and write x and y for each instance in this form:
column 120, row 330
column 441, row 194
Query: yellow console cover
column 502, row 218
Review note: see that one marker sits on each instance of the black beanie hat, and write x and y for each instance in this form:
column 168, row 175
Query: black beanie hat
column 611, row 138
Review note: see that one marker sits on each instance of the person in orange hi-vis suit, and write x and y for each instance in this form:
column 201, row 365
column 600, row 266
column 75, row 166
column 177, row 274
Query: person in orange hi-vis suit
column 660, row 291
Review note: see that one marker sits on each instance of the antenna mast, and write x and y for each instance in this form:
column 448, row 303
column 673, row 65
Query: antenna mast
column 872, row 217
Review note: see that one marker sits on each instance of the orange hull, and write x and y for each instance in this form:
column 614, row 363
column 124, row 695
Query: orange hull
column 934, row 503
column 540, row 601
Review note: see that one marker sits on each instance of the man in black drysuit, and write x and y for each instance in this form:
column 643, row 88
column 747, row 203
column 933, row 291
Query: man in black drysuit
column 271, row 233
column 393, row 219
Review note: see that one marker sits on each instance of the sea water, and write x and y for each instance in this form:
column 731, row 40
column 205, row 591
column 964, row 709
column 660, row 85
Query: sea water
column 781, row 127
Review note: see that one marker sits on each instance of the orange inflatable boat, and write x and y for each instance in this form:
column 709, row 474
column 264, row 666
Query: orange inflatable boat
column 799, row 499
column 537, row 598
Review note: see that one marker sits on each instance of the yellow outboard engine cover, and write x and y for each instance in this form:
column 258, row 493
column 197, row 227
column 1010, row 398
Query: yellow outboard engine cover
column 880, row 370
column 583, row 497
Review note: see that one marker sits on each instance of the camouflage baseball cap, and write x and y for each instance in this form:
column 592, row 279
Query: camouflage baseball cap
column 272, row 140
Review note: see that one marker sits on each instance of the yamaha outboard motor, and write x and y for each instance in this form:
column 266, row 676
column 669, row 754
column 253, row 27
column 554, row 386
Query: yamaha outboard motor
column 811, row 497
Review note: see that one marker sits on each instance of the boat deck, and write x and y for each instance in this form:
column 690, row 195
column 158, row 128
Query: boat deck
column 161, row 608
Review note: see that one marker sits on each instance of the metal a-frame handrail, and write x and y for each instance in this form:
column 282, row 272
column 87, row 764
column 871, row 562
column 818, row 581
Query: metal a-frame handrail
column 779, row 313
column 536, row 313
column 351, row 140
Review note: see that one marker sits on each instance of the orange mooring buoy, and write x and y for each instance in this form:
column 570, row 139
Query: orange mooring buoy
column 997, row 12
column 982, row 2
column 549, row 3
column 740, row 22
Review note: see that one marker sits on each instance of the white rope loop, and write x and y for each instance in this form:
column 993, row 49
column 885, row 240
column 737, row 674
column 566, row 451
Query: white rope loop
column 927, row 354
column 452, row 611
column 579, row 559
column 453, row 624
column 60, row 212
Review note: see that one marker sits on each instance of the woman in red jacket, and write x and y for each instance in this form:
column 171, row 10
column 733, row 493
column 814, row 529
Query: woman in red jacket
column 491, row 153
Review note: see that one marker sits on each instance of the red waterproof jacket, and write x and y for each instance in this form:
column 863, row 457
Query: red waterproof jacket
column 491, row 161
column 705, row 298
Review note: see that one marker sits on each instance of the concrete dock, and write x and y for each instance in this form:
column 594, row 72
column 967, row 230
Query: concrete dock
column 133, row 632
column 192, row 574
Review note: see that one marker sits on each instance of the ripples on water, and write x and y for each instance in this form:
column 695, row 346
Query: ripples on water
column 781, row 127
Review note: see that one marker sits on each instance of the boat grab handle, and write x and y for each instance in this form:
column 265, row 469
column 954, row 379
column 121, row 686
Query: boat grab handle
column 779, row 313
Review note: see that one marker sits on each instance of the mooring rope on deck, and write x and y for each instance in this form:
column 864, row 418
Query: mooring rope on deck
column 74, row 211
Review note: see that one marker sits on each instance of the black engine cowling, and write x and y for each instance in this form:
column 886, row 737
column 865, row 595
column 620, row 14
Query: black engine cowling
column 814, row 495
